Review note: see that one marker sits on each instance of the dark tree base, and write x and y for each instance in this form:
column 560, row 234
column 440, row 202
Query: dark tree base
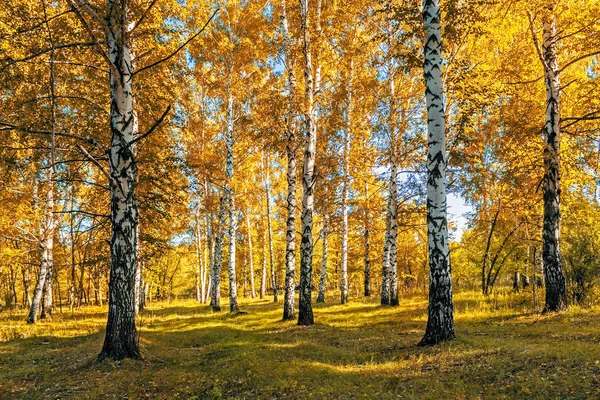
column 320, row 300
column 306, row 318
column 434, row 339
column 394, row 302
column 289, row 316
column 216, row 308
column 120, row 353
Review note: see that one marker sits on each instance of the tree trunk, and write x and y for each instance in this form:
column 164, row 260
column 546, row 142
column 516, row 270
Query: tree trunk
column 233, row 303
column 232, row 231
column 385, row 265
column 42, row 294
column 121, row 333
column 367, row 277
column 250, row 256
column 290, row 232
column 218, row 257
column 440, row 321
column 210, row 243
column 305, row 315
column 345, row 188
column 393, row 201
column 270, row 230
column 263, row 274
column 323, row 280
column 556, row 298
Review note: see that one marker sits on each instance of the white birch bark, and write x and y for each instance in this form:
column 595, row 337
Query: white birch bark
column 440, row 321
column 367, row 272
column 556, row 298
column 290, row 120
column 270, row 230
column 305, row 315
column 345, row 187
column 323, row 279
column 250, row 256
column 218, row 257
column 232, row 231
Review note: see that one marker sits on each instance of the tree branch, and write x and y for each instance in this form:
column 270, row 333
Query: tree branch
column 95, row 162
column 152, row 128
column 154, row 64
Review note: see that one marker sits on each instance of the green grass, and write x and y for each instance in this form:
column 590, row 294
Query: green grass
column 359, row 350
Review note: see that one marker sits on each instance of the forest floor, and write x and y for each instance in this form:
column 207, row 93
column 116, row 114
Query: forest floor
column 503, row 350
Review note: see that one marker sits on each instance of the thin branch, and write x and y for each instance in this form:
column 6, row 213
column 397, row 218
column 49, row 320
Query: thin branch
column 154, row 64
column 535, row 41
column 152, row 128
column 95, row 162
column 81, row 212
column 26, row 30
column 91, row 32
column 10, row 61
column 90, row 141
column 139, row 21
column 88, row 9
column 595, row 53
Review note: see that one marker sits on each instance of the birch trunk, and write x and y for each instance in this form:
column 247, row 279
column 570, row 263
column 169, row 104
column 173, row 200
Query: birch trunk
column 233, row 303
column 323, row 280
column 345, row 184
column 263, row 274
column 121, row 333
column 440, row 321
column 44, row 281
column 210, row 243
column 232, row 231
column 385, row 265
column 305, row 316
column 393, row 200
column 250, row 256
column 367, row 276
column 290, row 232
column 270, row 231
column 218, row 257
column 553, row 273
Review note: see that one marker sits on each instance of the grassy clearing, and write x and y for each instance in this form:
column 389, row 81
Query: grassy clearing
column 355, row 351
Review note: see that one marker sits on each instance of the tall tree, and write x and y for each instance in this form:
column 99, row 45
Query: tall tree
column 556, row 292
column 290, row 128
column 440, row 321
column 305, row 315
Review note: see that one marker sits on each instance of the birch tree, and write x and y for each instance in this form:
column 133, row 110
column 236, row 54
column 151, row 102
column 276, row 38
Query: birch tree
column 305, row 315
column 556, row 292
column 440, row 320
column 291, row 128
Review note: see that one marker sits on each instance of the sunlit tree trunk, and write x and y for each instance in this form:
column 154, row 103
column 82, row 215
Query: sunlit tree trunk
column 323, row 280
column 210, row 244
column 440, row 321
column 305, row 315
column 218, row 257
column 250, row 256
column 385, row 265
column 392, row 213
column 232, row 231
column 553, row 273
column 121, row 334
column 345, row 187
column 233, row 304
column 263, row 272
column 367, row 275
column 290, row 120
column 43, row 287
column 269, row 227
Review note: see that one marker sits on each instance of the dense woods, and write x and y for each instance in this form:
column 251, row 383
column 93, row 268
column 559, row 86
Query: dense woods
column 297, row 151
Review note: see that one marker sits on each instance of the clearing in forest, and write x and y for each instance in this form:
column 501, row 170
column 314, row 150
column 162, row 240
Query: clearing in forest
column 354, row 351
